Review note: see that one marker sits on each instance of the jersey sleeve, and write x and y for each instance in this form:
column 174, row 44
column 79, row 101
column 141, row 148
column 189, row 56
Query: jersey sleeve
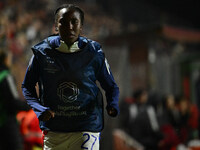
column 108, row 83
column 29, row 87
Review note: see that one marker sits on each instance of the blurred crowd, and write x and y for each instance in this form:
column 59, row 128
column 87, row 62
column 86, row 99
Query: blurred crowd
column 166, row 122
column 22, row 24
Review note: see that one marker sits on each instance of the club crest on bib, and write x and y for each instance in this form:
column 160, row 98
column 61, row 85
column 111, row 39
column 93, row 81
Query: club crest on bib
column 68, row 92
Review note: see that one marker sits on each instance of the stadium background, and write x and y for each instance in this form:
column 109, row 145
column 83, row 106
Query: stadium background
column 149, row 43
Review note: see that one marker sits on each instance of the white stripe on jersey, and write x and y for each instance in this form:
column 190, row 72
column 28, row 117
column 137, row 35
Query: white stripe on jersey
column 153, row 120
column 100, row 50
column 11, row 84
column 107, row 66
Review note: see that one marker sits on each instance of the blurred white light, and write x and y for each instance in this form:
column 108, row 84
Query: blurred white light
column 152, row 55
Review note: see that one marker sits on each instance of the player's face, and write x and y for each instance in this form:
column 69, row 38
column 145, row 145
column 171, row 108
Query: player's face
column 69, row 25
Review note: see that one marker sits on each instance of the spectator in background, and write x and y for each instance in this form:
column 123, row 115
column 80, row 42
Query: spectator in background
column 197, row 94
column 169, row 120
column 30, row 130
column 143, row 125
column 170, row 111
column 10, row 104
column 188, row 125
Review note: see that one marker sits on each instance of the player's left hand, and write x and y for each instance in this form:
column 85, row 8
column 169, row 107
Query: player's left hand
column 112, row 112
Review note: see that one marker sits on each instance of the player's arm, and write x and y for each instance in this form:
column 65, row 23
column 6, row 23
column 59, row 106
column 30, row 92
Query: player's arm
column 108, row 83
column 29, row 87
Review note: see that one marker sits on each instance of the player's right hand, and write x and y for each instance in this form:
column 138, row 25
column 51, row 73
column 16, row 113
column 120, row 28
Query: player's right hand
column 48, row 114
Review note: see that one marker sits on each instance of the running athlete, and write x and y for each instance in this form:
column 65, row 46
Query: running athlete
column 66, row 68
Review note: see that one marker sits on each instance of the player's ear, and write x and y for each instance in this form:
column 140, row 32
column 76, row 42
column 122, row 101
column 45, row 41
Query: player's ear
column 56, row 28
column 81, row 29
